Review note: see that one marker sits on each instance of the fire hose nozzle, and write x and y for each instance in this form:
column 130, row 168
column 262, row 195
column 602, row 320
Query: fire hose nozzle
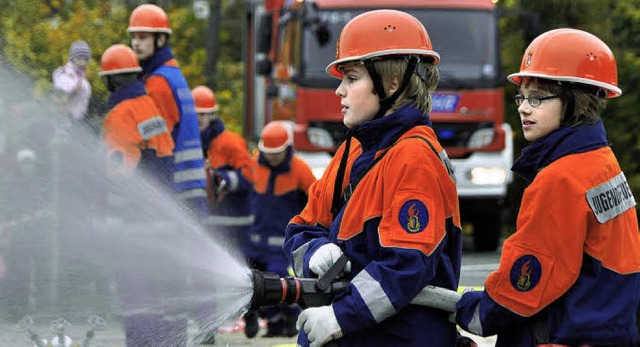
column 270, row 289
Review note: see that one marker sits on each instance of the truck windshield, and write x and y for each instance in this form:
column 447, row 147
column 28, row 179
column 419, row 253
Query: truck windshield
column 465, row 40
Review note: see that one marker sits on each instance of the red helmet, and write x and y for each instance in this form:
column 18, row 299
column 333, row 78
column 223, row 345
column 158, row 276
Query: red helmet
column 276, row 137
column 149, row 18
column 205, row 99
column 570, row 55
column 119, row 59
column 380, row 33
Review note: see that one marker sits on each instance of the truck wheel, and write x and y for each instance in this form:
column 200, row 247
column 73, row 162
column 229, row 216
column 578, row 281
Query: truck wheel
column 486, row 232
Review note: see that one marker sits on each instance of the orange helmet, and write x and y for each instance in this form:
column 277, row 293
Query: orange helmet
column 395, row 33
column 204, row 99
column 149, row 18
column 570, row 55
column 276, row 137
column 119, row 59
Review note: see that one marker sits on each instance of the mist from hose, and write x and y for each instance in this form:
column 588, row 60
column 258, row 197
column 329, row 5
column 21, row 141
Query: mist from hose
column 72, row 237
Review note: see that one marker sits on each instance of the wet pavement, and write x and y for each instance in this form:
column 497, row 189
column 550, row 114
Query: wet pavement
column 230, row 335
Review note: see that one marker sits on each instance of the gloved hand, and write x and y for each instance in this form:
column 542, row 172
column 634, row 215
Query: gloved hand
column 220, row 185
column 320, row 324
column 324, row 257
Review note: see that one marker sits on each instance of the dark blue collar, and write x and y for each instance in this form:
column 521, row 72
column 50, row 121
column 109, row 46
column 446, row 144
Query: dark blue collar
column 158, row 59
column 383, row 132
column 215, row 128
column 557, row 144
column 129, row 91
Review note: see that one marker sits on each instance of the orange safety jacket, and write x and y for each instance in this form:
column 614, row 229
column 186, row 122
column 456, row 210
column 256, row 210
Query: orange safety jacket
column 571, row 272
column 400, row 228
column 134, row 131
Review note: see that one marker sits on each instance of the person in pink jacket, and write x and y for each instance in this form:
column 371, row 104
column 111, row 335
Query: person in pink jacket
column 71, row 82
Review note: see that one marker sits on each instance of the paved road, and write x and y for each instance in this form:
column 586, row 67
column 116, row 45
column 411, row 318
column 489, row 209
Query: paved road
column 475, row 268
column 113, row 337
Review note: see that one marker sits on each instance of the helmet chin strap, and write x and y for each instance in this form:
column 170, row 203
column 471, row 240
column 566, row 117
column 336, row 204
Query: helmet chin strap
column 386, row 102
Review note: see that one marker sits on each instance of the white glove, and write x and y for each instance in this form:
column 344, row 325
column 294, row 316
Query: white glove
column 320, row 324
column 324, row 257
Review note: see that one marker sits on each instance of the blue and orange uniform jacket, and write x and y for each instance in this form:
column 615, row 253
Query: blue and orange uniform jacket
column 169, row 90
column 228, row 156
column 136, row 135
column 571, row 272
column 400, row 228
column 280, row 193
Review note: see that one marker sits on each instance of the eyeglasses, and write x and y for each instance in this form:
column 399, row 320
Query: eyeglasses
column 534, row 101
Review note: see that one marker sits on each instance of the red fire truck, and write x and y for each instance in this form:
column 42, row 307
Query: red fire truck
column 290, row 42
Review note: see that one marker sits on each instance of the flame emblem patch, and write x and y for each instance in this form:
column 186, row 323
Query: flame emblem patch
column 413, row 216
column 525, row 273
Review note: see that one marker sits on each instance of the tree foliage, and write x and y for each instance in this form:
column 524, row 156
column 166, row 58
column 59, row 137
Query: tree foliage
column 38, row 42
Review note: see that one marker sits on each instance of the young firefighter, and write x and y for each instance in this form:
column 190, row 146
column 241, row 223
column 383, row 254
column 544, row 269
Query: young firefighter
column 149, row 30
column 387, row 200
column 570, row 275
column 229, row 174
column 282, row 182
column 136, row 138
column 231, row 170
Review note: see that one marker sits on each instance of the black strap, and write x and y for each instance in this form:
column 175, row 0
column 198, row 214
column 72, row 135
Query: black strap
column 336, row 206
column 337, row 203
column 387, row 102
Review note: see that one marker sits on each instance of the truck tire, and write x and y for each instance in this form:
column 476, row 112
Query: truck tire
column 486, row 232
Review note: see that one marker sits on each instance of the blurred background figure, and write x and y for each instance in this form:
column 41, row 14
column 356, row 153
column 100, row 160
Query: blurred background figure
column 70, row 81
column 150, row 31
column 136, row 139
column 282, row 182
column 229, row 181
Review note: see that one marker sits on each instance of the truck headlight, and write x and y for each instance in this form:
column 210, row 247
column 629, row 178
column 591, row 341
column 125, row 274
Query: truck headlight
column 481, row 138
column 320, row 137
column 488, row 175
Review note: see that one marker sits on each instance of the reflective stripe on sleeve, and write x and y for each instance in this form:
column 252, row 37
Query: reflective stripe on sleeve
column 233, row 180
column 229, row 220
column 475, row 326
column 374, row 296
column 275, row 240
column 298, row 259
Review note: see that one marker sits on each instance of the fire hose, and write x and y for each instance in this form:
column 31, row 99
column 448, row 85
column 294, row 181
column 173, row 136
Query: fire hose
column 271, row 289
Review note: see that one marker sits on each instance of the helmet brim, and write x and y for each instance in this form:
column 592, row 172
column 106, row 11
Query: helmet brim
column 612, row 91
column 332, row 69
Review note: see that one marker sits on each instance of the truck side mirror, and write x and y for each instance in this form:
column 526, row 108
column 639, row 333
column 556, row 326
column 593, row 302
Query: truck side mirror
column 316, row 23
column 323, row 34
column 264, row 33
column 531, row 26
column 263, row 66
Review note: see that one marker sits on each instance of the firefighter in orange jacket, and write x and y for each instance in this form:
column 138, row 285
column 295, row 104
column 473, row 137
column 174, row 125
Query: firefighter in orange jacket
column 135, row 134
column 150, row 31
column 137, row 138
column 230, row 168
column 282, row 181
column 570, row 274
column 387, row 200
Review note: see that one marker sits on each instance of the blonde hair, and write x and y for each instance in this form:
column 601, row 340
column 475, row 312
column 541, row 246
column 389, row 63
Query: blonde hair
column 417, row 92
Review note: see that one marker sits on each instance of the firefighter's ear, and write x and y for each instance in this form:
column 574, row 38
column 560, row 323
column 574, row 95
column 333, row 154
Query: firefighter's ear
column 394, row 84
